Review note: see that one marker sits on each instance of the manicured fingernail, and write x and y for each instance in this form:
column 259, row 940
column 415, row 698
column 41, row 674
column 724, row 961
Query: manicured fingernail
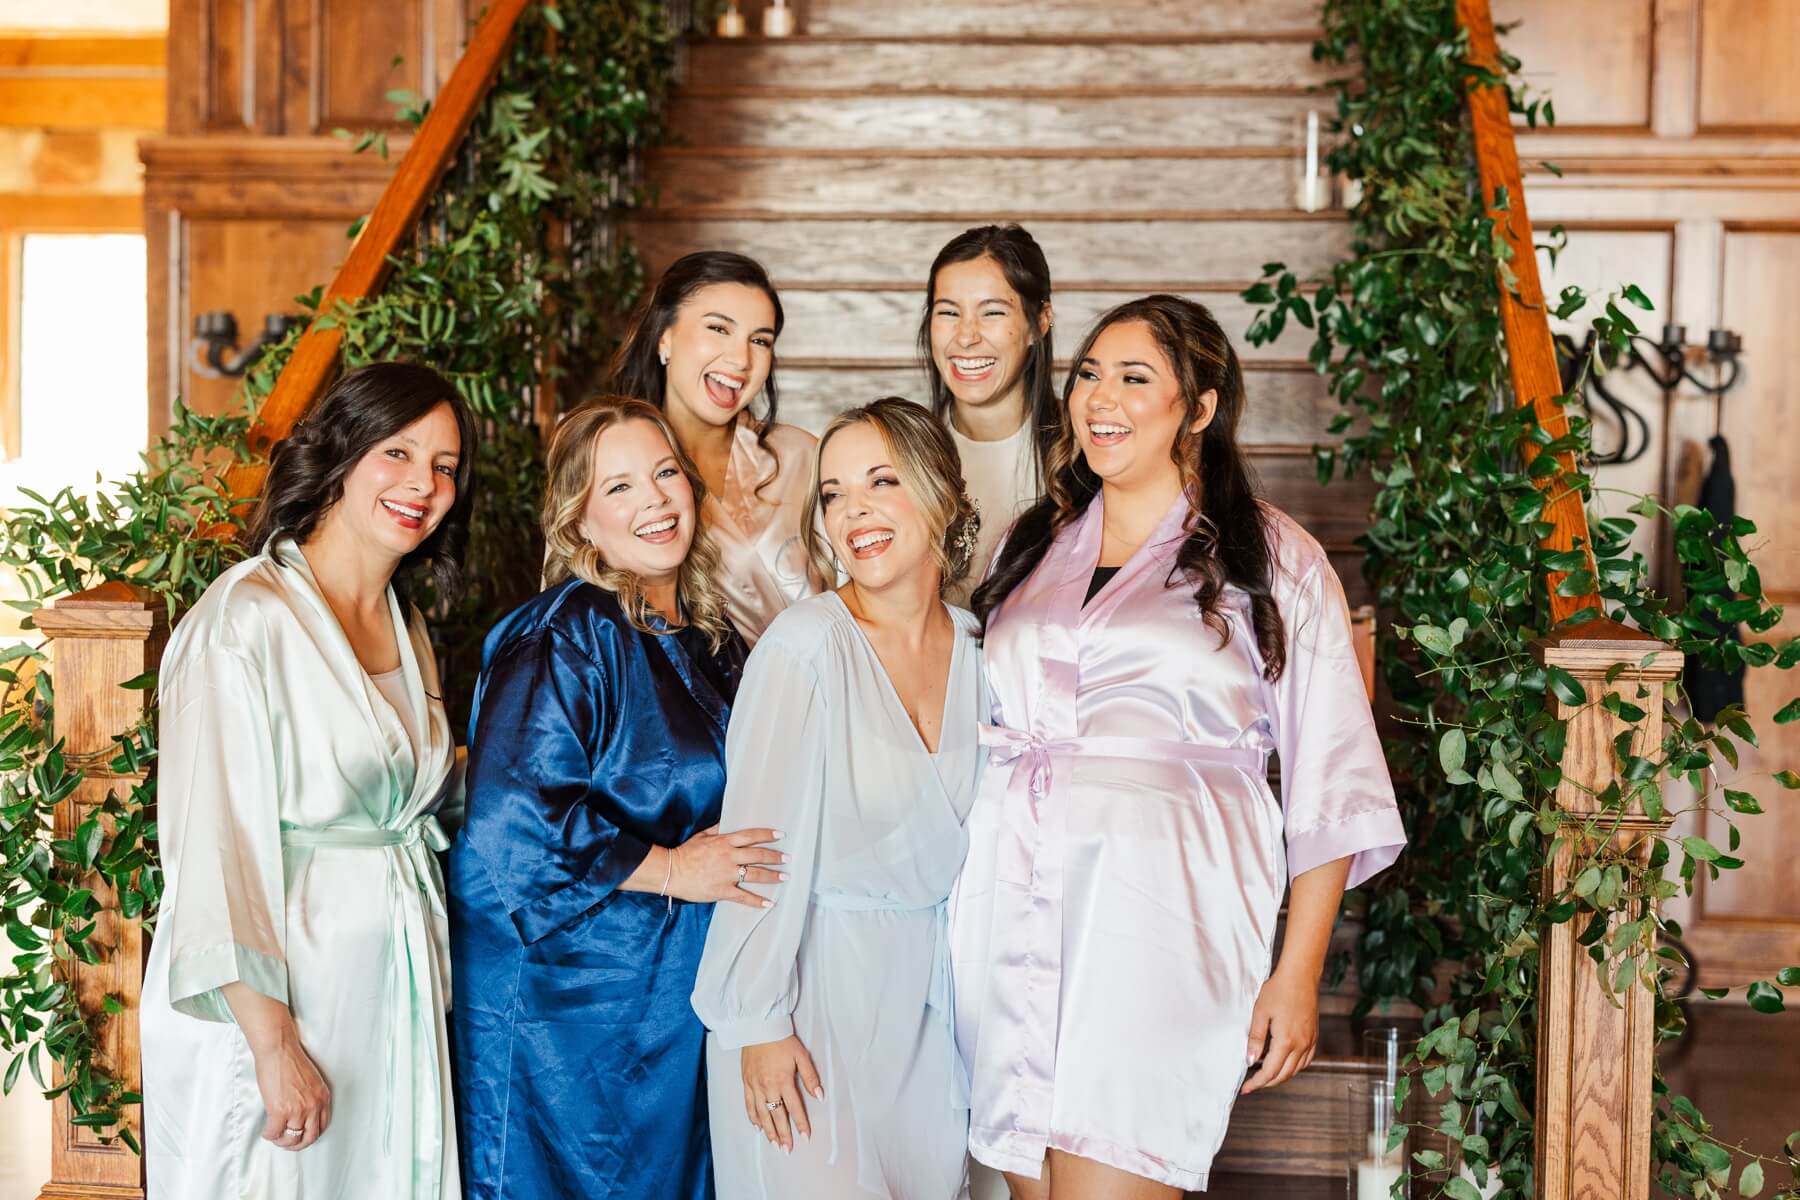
column 777, row 836
column 781, row 875
column 768, row 904
column 819, row 1093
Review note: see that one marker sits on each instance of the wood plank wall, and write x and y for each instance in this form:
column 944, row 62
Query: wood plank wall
column 1151, row 146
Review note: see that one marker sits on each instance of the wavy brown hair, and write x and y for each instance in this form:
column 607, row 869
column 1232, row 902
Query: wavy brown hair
column 925, row 458
column 569, row 473
column 1229, row 534
column 366, row 406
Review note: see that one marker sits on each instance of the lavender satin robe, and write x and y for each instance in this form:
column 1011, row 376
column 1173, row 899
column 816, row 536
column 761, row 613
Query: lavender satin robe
column 1115, row 917
column 757, row 529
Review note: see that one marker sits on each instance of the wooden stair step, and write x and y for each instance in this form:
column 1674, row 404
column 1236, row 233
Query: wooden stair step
column 1284, row 407
column 1060, row 17
column 1000, row 64
column 764, row 117
column 834, row 323
column 972, row 186
column 1134, row 255
column 1298, row 1129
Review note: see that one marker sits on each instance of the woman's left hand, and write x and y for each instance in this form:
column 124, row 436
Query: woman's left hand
column 1284, row 1029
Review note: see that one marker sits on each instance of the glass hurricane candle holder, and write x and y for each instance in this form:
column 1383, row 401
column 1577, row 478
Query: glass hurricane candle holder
column 1373, row 1168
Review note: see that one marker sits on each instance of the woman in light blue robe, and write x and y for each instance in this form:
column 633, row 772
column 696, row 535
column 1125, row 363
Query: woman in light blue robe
column 294, row 1033
column 844, row 984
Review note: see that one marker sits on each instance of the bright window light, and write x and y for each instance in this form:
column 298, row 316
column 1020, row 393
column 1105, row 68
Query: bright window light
column 83, row 391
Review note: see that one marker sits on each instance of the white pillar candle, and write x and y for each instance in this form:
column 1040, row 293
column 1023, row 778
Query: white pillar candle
column 1375, row 1179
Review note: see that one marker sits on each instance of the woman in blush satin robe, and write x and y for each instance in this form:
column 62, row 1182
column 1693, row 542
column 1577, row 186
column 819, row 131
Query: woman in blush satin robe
column 701, row 349
column 1149, row 650
column 294, row 1032
column 855, row 732
column 583, row 881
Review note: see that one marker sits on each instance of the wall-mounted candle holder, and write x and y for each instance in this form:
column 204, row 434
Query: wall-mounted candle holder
column 216, row 336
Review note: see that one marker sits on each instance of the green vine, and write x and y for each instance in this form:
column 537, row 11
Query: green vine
column 517, row 281
column 1407, row 332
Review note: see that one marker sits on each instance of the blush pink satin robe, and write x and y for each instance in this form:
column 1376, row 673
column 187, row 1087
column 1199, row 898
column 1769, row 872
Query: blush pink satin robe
column 1115, row 917
column 757, row 529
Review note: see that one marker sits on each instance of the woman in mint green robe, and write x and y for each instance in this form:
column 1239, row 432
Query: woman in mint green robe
column 298, row 802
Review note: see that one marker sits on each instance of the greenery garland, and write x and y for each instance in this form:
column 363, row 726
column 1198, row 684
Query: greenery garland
column 520, row 276
column 1407, row 332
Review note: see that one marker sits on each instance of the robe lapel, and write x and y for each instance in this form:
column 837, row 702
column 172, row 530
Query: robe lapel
column 709, row 700
column 384, row 723
column 1149, row 561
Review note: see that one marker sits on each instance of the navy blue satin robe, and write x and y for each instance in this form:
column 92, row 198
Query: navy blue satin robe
column 580, row 1063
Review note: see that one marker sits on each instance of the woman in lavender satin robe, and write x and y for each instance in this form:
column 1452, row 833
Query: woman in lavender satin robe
column 702, row 348
column 1153, row 634
column 583, row 881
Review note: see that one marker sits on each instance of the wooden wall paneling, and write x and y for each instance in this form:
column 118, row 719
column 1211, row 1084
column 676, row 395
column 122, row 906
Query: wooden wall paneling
column 945, row 120
column 225, row 264
column 1123, row 253
column 1663, row 199
column 1053, row 18
column 999, row 61
column 353, row 46
column 720, row 181
column 228, row 59
column 1674, row 97
column 1601, row 260
column 9, row 344
column 1760, row 265
column 1746, row 52
column 1594, row 59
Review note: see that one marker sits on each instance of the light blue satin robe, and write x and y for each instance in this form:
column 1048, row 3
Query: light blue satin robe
column 297, row 829
column 853, row 958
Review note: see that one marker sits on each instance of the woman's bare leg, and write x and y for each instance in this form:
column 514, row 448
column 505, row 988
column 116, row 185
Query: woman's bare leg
column 1029, row 1189
column 1083, row 1178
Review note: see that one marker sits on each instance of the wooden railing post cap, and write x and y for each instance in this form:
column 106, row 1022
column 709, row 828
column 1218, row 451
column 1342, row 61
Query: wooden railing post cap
column 114, row 609
column 1593, row 648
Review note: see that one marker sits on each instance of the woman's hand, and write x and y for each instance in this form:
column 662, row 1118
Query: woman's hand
column 770, row 1072
column 715, row 866
column 1284, row 1029
column 294, row 1094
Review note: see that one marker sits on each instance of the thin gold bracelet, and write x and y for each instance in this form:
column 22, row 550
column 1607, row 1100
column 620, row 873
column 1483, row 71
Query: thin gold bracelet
column 668, row 875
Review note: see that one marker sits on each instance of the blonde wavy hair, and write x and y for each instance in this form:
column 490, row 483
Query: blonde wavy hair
column 569, row 467
column 926, row 460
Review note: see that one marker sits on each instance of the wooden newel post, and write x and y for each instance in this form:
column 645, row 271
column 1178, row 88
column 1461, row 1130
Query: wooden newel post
column 98, row 640
column 1594, row 1050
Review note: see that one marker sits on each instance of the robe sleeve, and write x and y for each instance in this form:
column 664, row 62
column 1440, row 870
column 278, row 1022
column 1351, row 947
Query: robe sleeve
column 225, row 919
column 1335, row 791
column 535, row 819
column 748, row 982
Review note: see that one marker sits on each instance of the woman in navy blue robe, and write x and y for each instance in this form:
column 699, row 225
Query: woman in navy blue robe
column 580, row 884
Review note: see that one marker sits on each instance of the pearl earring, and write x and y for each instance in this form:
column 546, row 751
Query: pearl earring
column 662, row 356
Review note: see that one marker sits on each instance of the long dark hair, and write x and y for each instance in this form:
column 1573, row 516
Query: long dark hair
column 1229, row 533
column 1027, row 272
column 363, row 408
column 637, row 371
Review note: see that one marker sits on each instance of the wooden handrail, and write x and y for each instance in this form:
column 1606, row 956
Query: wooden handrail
column 396, row 214
column 1531, row 355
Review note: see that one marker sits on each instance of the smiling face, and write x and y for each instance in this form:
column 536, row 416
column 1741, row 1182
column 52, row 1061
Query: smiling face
column 981, row 339
column 718, row 351
column 875, row 524
column 640, row 509
column 402, row 487
column 1127, row 409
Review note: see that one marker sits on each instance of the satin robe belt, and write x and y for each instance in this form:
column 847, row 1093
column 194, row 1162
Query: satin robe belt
column 940, row 996
column 412, row 1058
column 1030, row 858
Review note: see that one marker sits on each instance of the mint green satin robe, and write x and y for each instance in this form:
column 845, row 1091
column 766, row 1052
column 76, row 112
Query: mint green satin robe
column 298, row 825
